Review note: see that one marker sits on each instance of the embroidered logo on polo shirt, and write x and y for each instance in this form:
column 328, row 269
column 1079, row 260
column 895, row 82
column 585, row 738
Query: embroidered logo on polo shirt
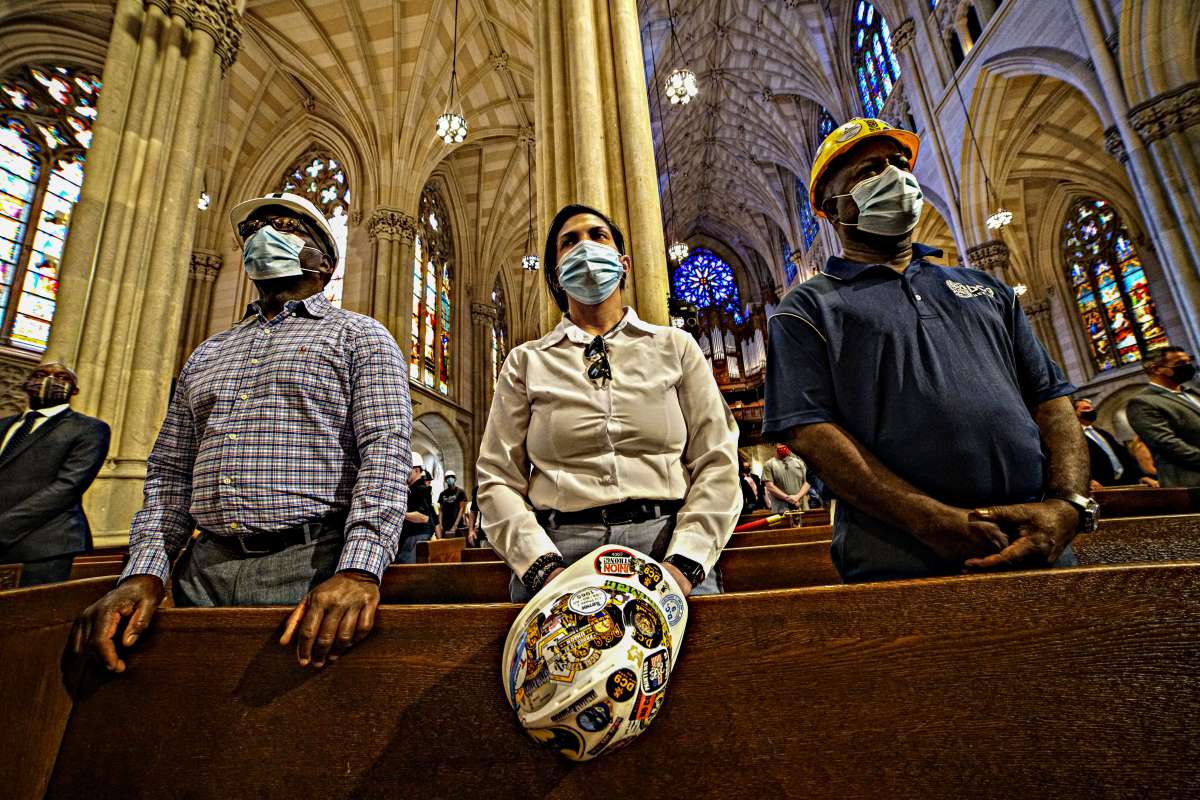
column 969, row 290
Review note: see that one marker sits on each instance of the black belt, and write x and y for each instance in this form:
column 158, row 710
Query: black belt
column 261, row 544
column 615, row 514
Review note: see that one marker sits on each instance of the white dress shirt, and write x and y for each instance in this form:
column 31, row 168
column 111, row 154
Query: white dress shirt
column 45, row 414
column 660, row 430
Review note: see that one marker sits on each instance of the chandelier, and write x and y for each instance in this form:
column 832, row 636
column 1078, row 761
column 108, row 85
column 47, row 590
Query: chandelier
column 1000, row 219
column 681, row 87
column 452, row 125
column 678, row 251
column 529, row 262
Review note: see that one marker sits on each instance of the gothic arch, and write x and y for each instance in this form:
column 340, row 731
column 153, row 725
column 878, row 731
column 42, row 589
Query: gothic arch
column 1159, row 47
column 440, row 446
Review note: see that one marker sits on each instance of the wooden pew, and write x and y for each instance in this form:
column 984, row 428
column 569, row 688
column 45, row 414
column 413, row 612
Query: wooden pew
column 816, row 533
column 790, row 693
column 1141, row 501
column 1132, row 539
column 10, row 576
column 94, row 567
column 440, row 551
column 471, row 555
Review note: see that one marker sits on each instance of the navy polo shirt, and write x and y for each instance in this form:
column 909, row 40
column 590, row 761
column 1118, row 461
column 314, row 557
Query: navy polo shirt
column 934, row 371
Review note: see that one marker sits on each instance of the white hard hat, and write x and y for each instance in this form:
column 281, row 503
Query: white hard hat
column 294, row 202
column 586, row 663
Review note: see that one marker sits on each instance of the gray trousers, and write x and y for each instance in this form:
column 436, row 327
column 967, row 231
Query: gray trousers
column 651, row 538
column 215, row 573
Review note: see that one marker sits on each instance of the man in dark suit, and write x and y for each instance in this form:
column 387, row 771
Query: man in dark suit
column 49, row 456
column 1111, row 462
column 1167, row 417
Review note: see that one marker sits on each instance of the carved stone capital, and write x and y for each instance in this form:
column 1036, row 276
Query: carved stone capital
column 991, row 256
column 483, row 314
column 903, row 35
column 217, row 18
column 1169, row 112
column 1114, row 145
column 391, row 223
column 205, row 266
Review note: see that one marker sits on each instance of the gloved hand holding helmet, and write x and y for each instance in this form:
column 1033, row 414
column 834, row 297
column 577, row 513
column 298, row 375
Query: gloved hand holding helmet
column 586, row 663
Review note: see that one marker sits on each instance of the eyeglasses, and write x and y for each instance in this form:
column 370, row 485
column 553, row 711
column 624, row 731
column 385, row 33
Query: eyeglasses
column 249, row 227
column 595, row 356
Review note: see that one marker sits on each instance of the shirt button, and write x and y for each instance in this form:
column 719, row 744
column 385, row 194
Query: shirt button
column 917, row 296
column 233, row 526
column 245, row 396
column 254, row 361
column 226, row 481
column 231, row 435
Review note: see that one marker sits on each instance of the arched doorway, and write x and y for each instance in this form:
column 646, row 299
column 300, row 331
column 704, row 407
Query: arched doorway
column 436, row 448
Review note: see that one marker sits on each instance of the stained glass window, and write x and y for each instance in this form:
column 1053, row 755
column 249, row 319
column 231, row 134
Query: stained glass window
column 704, row 279
column 1109, row 285
column 875, row 66
column 429, row 361
column 319, row 177
column 46, row 115
column 499, row 330
column 789, row 266
column 808, row 220
column 825, row 123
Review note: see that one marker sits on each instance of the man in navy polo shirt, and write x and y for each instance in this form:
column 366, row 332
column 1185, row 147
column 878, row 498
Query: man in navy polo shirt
column 919, row 392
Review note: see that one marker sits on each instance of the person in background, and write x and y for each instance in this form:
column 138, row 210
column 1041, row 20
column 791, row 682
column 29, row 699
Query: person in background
column 1166, row 416
column 753, row 492
column 283, row 443
column 1145, row 458
column 607, row 430
column 476, row 535
column 785, row 477
column 452, row 508
column 418, row 517
column 1111, row 463
column 49, row 456
column 919, row 392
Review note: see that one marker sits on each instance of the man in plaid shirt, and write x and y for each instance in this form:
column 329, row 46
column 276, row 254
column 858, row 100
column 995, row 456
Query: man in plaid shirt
column 287, row 444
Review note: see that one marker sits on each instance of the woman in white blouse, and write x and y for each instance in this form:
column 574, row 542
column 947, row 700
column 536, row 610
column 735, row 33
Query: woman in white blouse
column 606, row 430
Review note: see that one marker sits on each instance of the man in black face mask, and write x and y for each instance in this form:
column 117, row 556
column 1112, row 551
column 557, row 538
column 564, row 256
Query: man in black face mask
column 49, row 456
column 1111, row 462
column 1167, row 416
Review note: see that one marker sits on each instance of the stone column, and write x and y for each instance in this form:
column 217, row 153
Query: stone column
column 205, row 266
column 902, row 40
column 1167, row 198
column 1041, row 318
column 991, row 257
column 392, row 232
column 593, row 122
column 126, row 262
column 483, row 317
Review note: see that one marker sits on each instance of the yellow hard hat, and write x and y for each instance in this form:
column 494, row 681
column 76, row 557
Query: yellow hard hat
column 846, row 136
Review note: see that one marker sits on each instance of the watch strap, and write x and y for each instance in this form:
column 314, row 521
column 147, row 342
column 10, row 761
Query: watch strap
column 691, row 570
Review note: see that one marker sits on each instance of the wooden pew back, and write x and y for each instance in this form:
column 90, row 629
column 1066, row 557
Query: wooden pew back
column 779, row 694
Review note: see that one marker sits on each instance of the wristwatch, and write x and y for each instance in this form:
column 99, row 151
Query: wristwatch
column 691, row 570
column 1088, row 508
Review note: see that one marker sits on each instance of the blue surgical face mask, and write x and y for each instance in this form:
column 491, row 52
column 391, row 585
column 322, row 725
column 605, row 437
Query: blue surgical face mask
column 269, row 254
column 450, row 482
column 590, row 272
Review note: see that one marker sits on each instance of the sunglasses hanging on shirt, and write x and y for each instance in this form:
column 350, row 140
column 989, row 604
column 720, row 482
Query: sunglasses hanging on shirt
column 595, row 356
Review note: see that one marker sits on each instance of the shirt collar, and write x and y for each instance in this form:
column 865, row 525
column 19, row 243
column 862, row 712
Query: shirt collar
column 51, row 411
column 566, row 329
column 843, row 269
column 315, row 306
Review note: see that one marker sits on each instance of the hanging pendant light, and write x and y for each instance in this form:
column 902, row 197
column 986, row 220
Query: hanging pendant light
column 681, row 85
column 530, row 261
column 452, row 125
column 999, row 219
column 678, row 251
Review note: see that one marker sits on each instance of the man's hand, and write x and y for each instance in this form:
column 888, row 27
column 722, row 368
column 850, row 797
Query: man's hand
column 137, row 598
column 335, row 615
column 1148, row 481
column 1040, row 532
column 1095, row 486
column 472, row 538
column 683, row 582
column 956, row 534
column 437, row 531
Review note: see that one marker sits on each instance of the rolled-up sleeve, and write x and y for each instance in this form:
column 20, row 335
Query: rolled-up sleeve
column 713, row 500
column 503, row 473
column 163, row 525
column 381, row 413
column 799, row 382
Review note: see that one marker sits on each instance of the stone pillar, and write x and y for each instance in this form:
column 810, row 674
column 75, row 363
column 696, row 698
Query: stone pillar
column 991, row 257
column 392, row 232
column 203, row 272
column 125, row 266
column 1165, row 195
column 483, row 317
column 902, row 40
column 593, row 122
column 1041, row 319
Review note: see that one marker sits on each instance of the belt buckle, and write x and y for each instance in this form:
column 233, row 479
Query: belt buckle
column 241, row 542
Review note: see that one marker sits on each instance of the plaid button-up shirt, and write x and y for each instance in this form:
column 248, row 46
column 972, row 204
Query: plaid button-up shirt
column 279, row 422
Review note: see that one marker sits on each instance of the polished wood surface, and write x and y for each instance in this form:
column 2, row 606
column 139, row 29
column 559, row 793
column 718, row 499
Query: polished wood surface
column 1069, row 683
column 10, row 576
column 1141, row 501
